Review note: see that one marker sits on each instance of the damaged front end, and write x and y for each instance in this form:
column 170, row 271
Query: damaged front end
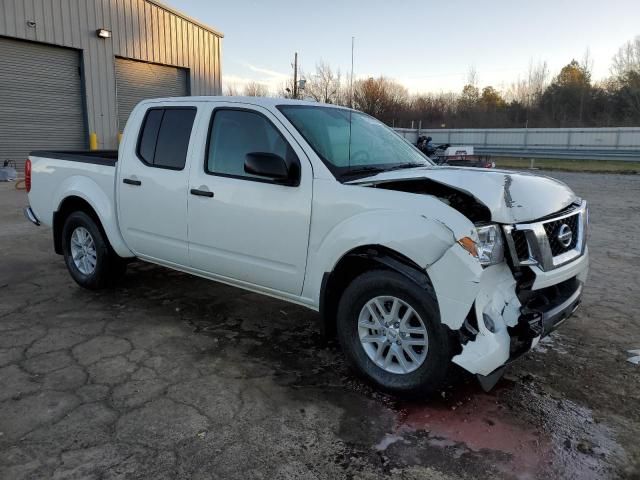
column 508, row 319
column 499, row 306
column 509, row 306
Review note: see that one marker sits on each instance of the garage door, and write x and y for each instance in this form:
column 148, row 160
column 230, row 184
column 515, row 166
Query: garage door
column 41, row 103
column 136, row 81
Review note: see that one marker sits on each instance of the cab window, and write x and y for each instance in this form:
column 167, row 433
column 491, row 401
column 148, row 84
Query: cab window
column 234, row 134
column 164, row 137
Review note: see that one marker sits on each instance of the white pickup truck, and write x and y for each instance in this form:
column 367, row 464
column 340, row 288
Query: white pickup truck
column 412, row 265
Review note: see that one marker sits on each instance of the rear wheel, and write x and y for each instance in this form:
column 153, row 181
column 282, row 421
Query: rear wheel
column 390, row 331
column 87, row 254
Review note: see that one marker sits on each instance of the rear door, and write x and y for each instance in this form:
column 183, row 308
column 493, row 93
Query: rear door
column 249, row 229
column 152, row 183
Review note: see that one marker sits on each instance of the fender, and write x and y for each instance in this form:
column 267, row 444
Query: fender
column 420, row 239
column 353, row 264
column 456, row 280
column 92, row 193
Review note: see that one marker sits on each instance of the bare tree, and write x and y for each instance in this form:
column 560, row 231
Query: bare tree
column 324, row 85
column 368, row 96
column 570, row 98
column 518, row 91
column 537, row 81
column 527, row 91
column 625, row 85
column 255, row 89
column 380, row 97
column 472, row 76
column 231, row 90
column 587, row 61
column 285, row 90
column 627, row 59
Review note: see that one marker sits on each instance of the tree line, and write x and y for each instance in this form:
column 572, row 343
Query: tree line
column 571, row 98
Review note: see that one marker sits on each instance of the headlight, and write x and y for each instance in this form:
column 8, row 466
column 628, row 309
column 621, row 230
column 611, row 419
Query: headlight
column 490, row 246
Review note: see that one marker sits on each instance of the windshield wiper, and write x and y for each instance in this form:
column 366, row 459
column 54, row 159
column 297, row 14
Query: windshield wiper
column 406, row 165
column 373, row 170
column 361, row 170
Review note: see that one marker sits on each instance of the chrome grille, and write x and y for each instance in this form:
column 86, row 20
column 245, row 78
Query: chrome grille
column 541, row 243
column 552, row 230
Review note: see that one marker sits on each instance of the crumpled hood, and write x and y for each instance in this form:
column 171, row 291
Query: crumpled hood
column 512, row 197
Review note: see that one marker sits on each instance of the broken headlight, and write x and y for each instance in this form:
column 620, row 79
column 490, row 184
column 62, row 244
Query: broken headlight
column 490, row 245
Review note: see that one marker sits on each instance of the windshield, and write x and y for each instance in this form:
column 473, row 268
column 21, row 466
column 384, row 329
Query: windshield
column 351, row 143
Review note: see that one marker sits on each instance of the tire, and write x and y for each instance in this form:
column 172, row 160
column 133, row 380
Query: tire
column 419, row 378
column 101, row 266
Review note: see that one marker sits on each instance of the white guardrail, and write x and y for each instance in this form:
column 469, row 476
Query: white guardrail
column 620, row 143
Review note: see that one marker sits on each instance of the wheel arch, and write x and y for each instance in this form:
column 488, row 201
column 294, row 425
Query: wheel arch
column 75, row 203
column 69, row 205
column 354, row 263
column 96, row 191
column 78, row 200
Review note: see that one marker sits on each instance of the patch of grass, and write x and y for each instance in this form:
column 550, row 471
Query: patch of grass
column 596, row 166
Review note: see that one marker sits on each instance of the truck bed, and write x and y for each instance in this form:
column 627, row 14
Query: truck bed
column 89, row 175
column 99, row 157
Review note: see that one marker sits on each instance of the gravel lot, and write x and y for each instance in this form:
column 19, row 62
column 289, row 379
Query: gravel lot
column 171, row 376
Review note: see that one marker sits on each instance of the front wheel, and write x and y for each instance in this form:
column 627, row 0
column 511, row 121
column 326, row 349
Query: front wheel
column 89, row 258
column 390, row 331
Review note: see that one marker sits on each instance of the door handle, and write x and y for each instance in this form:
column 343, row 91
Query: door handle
column 201, row 193
column 130, row 181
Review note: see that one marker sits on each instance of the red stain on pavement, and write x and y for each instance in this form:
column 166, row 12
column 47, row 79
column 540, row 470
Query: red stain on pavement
column 479, row 422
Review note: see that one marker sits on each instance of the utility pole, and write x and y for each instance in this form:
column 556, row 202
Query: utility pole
column 295, row 76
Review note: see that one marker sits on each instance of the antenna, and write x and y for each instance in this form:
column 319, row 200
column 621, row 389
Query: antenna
column 351, row 99
column 353, row 39
column 295, row 76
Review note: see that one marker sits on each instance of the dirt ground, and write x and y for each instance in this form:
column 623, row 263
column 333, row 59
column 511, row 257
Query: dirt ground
column 172, row 376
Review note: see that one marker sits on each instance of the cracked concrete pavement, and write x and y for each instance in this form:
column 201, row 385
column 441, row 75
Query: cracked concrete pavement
column 172, row 376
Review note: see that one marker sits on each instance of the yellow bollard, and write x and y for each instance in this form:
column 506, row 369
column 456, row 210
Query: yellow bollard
column 119, row 137
column 93, row 141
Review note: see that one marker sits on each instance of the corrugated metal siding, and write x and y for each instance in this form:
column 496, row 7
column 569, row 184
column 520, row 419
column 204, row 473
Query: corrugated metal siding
column 136, row 81
column 141, row 30
column 40, row 99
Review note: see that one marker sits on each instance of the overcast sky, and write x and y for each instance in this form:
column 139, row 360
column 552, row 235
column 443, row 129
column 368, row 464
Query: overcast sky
column 426, row 45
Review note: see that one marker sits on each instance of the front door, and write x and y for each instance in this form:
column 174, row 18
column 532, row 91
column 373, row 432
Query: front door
column 152, row 186
column 244, row 227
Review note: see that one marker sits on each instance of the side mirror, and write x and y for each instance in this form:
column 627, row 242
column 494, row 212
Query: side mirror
column 268, row 165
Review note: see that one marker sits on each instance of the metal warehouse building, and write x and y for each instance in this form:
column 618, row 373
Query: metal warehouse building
column 72, row 68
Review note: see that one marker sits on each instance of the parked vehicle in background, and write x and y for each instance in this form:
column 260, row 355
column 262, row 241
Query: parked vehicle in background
column 460, row 156
column 426, row 146
column 413, row 265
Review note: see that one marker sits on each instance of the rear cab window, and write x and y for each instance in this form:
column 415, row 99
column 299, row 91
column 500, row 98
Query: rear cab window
column 164, row 137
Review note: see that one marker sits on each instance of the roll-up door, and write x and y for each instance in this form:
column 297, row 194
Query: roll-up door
column 136, row 81
column 41, row 105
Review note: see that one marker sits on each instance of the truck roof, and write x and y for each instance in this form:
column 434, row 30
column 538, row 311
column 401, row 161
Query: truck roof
column 262, row 101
